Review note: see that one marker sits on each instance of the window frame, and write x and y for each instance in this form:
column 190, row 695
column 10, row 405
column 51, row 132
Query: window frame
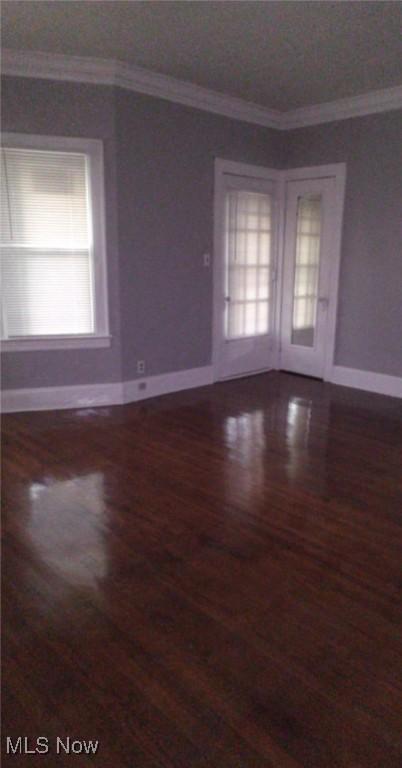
column 93, row 149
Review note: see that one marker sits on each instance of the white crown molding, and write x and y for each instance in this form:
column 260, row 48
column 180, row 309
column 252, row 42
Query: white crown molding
column 384, row 100
column 153, row 84
column 52, row 66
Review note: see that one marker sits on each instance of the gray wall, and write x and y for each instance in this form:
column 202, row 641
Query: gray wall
column 165, row 172
column 159, row 216
column 159, row 161
column 68, row 109
column 369, row 330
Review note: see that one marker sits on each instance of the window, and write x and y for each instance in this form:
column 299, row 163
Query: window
column 248, row 263
column 52, row 243
column 307, row 264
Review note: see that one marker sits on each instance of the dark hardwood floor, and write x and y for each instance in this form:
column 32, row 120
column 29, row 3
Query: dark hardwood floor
column 208, row 579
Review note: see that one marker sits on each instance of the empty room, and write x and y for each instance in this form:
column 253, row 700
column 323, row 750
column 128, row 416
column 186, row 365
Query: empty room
column 201, row 375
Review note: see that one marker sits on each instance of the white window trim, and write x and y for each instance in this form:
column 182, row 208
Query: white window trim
column 93, row 148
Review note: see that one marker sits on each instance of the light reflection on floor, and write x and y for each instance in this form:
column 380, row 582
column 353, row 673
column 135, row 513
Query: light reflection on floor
column 66, row 528
column 298, row 435
column 246, row 440
column 252, row 468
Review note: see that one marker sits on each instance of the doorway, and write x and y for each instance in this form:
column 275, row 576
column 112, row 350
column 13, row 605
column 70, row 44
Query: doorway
column 246, row 204
column 276, row 267
column 306, row 276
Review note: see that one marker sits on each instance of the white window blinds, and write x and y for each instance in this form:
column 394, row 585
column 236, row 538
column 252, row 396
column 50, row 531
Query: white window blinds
column 248, row 263
column 46, row 244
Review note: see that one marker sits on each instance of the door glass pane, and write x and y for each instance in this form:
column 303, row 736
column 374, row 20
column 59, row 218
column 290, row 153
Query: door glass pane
column 307, row 265
column 247, row 263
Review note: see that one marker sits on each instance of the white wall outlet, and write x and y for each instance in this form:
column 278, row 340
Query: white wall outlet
column 206, row 259
column 140, row 366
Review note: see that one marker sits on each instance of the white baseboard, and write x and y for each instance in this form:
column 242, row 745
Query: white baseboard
column 166, row 382
column 380, row 383
column 94, row 395
column 55, row 398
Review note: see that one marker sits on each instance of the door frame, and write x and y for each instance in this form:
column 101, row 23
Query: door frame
column 247, row 171
column 337, row 171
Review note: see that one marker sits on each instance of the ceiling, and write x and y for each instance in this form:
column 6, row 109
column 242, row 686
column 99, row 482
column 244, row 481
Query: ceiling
column 281, row 55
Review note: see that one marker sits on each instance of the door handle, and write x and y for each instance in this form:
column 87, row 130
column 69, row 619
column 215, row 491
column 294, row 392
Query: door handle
column 323, row 301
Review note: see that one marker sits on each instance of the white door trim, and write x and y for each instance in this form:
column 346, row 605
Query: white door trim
column 337, row 171
column 247, row 171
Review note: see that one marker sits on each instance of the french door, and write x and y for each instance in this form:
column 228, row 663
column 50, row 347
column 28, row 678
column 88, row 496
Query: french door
column 245, row 276
column 269, row 223
column 306, row 285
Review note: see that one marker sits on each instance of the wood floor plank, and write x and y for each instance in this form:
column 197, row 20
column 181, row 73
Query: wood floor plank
column 209, row 579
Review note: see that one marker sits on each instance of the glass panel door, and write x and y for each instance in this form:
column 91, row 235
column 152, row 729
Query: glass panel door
column 247, row 263
column 306, row 272
column 244, row 274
